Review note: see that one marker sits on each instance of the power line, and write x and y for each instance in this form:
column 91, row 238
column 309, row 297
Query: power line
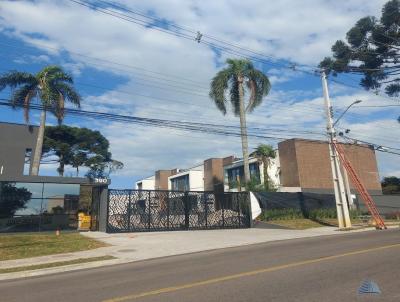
column 189, row 126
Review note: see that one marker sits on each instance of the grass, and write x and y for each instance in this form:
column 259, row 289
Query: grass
column 53, row 264
column 298, row 223
column 18, row 246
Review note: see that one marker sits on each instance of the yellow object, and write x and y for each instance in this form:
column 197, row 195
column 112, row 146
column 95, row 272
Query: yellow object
column 84, row 221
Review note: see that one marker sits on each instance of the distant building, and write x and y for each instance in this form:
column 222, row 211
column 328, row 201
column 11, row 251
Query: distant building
column 300, row 165
column 305, row 165
column 191, row 179
column 146, row 183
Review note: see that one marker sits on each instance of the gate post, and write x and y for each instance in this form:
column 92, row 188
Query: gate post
column 186, row 207
column 104, row 209
column 149, row 218
column 129, row 210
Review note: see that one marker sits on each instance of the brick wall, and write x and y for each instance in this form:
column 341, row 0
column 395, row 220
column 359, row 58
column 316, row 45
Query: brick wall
column 306, row 164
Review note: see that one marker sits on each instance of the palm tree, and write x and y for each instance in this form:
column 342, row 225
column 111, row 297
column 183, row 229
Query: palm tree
column 233, row 78
column 52, row 86
column 264, row 154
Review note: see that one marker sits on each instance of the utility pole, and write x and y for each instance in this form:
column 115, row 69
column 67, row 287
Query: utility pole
column 338, row 183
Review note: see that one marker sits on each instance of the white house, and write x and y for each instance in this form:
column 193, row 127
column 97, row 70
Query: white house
column 146, row 183
column 191, row 179
column 235, row 171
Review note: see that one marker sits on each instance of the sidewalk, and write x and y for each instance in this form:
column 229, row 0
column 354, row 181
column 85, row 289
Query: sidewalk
column 130, row 247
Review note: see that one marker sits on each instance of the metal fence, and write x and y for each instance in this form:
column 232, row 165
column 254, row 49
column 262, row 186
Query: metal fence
column 141, row 210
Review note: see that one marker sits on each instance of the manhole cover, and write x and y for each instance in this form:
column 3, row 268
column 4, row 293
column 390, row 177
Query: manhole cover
column 127, row 251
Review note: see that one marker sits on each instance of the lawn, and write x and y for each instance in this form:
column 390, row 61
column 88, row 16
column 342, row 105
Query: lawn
column 17, row 246
column 297, row 223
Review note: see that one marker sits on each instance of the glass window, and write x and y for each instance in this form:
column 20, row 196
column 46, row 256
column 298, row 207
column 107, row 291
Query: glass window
column 180, row 183
column 27, row 161
column 59, row 190
column 31, row 207
column 34, row 188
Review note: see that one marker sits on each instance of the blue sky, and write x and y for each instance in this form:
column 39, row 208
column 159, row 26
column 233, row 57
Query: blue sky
column 125, row 68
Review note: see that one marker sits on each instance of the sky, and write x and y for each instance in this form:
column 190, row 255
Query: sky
column 126, row 68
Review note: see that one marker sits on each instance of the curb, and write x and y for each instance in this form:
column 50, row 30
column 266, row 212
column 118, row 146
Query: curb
column 60, row 269
column 105, row 263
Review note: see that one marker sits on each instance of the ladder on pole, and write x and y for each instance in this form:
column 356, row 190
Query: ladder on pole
column 369, row 202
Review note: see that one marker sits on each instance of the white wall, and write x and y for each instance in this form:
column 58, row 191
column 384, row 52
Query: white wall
column 196, row 179
column 147, row 183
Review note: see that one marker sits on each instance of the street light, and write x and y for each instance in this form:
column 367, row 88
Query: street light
column 344, row 112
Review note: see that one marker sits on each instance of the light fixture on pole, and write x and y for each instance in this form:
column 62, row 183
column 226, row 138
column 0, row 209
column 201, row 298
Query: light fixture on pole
column 347, row 109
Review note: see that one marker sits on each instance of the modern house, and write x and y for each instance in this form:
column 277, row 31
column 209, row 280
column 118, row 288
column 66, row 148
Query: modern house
column 32, row 203
column 300, row 165
column 234, row 173
column 191, row 179
column 147, row 183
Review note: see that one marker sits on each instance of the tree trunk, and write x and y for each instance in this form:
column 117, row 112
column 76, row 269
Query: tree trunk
column 61, row 167
column 243, row 132
column 39, row 145
column 265, row 170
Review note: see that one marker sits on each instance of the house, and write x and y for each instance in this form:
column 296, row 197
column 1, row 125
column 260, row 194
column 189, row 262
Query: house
column 32, row 203
column 191, row 179
column 300, row 165
column 147, row 183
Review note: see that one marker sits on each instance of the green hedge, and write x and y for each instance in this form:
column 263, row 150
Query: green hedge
column 288, row 214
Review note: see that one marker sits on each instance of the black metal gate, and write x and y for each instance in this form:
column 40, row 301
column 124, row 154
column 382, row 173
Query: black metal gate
column 141, row 210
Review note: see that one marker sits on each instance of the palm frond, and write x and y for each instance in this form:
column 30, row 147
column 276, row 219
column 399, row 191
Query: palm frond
column 69, row 93
column 259, row 85
column 23, row 96
column 218, row 86
column 234, row 96
column 16, row 78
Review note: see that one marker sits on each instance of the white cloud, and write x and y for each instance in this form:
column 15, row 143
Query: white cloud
column 301, row 31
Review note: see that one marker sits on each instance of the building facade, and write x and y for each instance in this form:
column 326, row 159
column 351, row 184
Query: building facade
column 305, row 164
column 37, row 203
column 299, row 166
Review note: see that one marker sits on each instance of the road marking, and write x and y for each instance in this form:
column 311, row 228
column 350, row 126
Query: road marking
column 245, row 274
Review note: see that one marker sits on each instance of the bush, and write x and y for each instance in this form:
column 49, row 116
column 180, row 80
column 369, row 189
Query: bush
column 290, row 213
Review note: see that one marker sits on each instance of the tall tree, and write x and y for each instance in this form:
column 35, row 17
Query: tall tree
column 264, row 154
column 372, row 51
column 76, row 146
column 52, row 87
column 240, row 77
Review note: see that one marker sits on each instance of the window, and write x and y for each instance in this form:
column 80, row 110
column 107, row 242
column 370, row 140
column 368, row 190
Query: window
column 234, row 173
column 180, row 183
column 27, row 161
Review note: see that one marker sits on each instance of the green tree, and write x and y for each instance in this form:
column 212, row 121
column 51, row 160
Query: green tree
column 372, row 51
column 12, row 199
column 264, row 153
column 103, row 169
column 77, row 147
column 52, row 86
column 240, row 77
column 391, row 185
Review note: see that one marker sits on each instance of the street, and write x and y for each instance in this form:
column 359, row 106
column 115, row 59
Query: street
column 326, row 268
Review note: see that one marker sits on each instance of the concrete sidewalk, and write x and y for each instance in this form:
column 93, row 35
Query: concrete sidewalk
column 129, row 247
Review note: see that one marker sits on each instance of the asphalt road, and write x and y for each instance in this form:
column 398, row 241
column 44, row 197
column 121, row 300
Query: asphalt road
column 329, row 268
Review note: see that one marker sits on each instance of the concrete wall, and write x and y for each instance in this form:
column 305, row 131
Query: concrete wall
column 306, row 164
column 14, row 140
column 213, row 173
column 147, row 183
column 161, row 179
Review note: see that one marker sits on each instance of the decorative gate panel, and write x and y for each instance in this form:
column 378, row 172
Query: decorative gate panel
column 142, row 210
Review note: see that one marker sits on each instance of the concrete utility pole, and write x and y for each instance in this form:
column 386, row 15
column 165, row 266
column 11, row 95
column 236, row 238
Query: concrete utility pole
column 338, row 183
